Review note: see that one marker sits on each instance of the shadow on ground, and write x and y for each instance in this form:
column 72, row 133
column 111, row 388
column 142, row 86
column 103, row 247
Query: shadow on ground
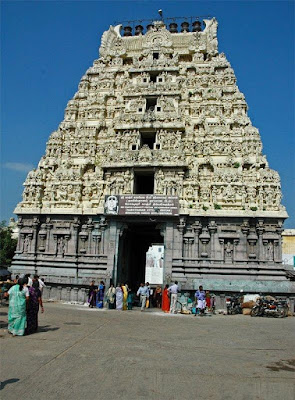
column 7, row 382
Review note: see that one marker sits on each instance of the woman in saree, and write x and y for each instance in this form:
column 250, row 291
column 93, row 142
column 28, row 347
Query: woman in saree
column 92, row 295
column 165, row 300
column 119, row 297
column 17, row 316
column 100, row 295
column 125, row 295
column 110, row 295
column 33, row 307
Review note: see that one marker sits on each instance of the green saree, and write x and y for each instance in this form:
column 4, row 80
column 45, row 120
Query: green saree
column 17, row 318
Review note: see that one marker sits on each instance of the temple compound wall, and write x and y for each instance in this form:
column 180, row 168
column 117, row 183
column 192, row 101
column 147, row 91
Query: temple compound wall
column 158, row 116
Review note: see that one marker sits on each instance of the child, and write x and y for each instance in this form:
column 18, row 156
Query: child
column 130, row 300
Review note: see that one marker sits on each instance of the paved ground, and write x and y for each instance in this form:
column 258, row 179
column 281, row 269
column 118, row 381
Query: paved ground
column 81, row 353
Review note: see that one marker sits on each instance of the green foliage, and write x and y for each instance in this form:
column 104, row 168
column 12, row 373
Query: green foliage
column 191, row 206
column 7, row 245
column 253, row 208
column 236, row 165
column 205, row 208
column 217, row 206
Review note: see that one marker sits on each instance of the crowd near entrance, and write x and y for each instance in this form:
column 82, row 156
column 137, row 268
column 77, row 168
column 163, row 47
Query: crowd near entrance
column 136, row 241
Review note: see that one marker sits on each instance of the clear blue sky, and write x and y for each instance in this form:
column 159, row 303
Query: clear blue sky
column 48, row 46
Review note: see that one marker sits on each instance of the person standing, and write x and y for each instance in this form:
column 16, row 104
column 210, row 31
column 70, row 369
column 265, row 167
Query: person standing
column 110, row 295
column 125, row 296
column 30, row 281
column 33, row 307
column 41, row 283
column 208, row 300
column 173, row 290
column 166, row 300
column 92, row 294
column 100, row 294
column 17, row 316
column 143, row 292
column 130, row 299
column 119, row 297
column 200, row 296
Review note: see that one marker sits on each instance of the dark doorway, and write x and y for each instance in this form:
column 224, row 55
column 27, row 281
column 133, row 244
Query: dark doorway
column 148, row 138
column 144, row 182
column 133, row 245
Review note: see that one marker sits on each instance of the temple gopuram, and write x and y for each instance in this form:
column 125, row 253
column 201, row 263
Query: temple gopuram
column 156, row 147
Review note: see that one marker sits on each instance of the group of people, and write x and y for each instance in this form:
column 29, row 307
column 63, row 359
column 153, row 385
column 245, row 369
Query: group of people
column 25, row 300
column 121, row 297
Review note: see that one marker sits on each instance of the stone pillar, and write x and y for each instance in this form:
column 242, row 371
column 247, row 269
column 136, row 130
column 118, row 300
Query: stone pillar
column 82, row 296
column 48, row 229
column 235, row 244
column 74, row 245
column 68, row 294
column 112, row 248
column 75, row 296
column 197, row 228
column 35, row 235
column 212, row 229
column 221, row 242
column 260, row 230
column 89, row 229
column 168, row 232
column 178, row 240
column 58, row 297
column 103, row 225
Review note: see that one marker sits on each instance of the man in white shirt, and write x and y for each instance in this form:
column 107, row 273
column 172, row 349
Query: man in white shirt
column 173, row 290
column 41, row 283
column 144, row 293
column 30, row 281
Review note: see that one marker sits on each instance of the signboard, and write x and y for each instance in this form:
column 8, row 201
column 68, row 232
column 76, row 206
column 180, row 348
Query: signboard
column 141, row 204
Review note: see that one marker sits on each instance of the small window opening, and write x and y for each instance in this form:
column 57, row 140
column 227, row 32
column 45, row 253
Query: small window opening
column 153, row 76
column 151, row 103
column 140, row 109
column 143, row 182
column 155, row 56
column 134, row 147
column 158, row 108
column 145, row 79
column 158, row 146
column 127, row 61
column 148, row 138
column 160, row 79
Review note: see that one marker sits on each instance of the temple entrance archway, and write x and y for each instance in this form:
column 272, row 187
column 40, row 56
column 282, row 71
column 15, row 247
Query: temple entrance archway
column 133, row 246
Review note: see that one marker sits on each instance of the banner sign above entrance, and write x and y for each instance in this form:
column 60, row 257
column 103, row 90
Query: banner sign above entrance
column 141, row 204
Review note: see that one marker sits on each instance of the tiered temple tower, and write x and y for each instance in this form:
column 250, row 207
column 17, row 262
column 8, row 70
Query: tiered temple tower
column 158, row 118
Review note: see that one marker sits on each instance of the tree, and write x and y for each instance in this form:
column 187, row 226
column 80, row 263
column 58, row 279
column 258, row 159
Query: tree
column 7, row 245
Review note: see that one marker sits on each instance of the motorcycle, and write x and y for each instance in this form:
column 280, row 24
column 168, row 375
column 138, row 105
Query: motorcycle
column 269, row 308
column 233, row 304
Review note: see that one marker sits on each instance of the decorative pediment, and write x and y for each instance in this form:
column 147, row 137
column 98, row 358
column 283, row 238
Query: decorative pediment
column 157, row 38
column 112, row 43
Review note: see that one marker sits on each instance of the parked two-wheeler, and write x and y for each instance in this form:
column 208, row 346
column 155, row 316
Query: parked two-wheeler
column 269, row 308
column 233, row 304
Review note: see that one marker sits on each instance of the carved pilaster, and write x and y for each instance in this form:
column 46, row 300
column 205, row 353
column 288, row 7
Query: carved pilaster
column 204, row 238
column 212, row 229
